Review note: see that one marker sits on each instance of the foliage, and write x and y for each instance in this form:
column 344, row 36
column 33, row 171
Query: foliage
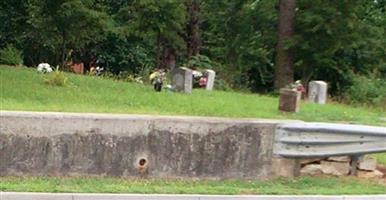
column 332, row 39
column 367, row 90
column 11, row 56
column 57, row 27
column 128, row 77
column 124, row 54
column 158, row 23
column 221, row 84
column 56, row 78
column 241, row 36
column 199, row 61
column 336, row 39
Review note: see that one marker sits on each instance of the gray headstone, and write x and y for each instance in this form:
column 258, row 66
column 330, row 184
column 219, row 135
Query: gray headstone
column 317, row 92
column 210, row 81
column 182, row 80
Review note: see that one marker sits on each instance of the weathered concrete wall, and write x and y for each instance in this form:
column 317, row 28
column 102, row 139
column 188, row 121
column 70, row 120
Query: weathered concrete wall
column 136, row 145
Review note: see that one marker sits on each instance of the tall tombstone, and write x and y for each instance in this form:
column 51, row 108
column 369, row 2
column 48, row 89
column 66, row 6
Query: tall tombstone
column 182, row 80
column 210, row 81
column 289, row 100
column 317, row 92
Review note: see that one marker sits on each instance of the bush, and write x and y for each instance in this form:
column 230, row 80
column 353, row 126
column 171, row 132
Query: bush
column 221, row 84
column 11, row 56
column 128, row 77
column 56, row 78
column 199, row 61
column 369, row 91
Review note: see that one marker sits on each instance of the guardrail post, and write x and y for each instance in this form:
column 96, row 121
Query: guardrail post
column 297, row 168
column 354, row 164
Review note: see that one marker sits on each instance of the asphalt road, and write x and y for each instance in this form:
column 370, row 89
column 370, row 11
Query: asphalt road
column 85, row 196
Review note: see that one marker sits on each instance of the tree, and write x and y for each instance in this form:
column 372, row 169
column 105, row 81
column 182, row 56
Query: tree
column 13, row 17
column 65, row 24
column 240, row 35
column 160, row 21
column 336, row 40
column 284, row 71
column 193, row 40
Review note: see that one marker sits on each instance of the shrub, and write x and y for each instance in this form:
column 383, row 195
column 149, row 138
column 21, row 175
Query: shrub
column 369, row 91
column 221, row 84
column 56, row 78
column 128, row 77
column 11, row 56
column 199, row 61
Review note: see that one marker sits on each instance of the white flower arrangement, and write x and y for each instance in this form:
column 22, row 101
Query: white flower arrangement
column 44, row 68
column 196, row 74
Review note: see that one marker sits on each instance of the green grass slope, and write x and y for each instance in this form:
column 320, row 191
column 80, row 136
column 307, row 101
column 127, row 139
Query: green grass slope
column 301, row 185
column 23, row 89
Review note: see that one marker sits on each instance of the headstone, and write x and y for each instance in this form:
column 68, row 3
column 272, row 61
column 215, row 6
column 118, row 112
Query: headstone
column 317, row 92
column 182, row 80
column 289, row 100
column 77, row 68
column 210, row 79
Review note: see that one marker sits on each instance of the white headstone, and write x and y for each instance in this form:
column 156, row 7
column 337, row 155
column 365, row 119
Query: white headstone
column 182, row 80
column 210, row 80
column 317, row 92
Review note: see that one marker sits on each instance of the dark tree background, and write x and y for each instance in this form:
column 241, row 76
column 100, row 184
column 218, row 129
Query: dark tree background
column 254, row 45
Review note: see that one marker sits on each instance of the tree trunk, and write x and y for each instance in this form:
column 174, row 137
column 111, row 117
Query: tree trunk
column 284, row 71
column 63, row 50
column 307, row 73
column 170, row 58
column 193, row 40
column 166, row 55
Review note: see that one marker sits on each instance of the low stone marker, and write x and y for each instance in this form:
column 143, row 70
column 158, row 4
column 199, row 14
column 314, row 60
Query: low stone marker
column 77, row 68
column 182, row 80
column 317, row 92
column 210, row 79
column 289, row 100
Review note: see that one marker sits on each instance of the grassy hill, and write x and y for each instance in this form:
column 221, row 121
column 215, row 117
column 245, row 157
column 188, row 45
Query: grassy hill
column 24, row 89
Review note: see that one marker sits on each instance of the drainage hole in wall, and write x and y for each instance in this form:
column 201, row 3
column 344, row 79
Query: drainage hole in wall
column 142, row 162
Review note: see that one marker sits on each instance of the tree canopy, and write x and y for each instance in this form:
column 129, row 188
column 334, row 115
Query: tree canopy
column 332, row 40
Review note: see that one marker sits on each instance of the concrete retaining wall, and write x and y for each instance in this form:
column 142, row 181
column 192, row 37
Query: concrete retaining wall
column 72, row 144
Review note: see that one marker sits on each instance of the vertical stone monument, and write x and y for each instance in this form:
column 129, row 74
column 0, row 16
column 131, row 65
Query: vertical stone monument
column 289, row 100
column 317, row 92
column 182, row 80
column 210, row 79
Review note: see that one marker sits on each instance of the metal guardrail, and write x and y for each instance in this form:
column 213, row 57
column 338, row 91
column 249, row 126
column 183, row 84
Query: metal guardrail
column 302, row 140
column 312, row 140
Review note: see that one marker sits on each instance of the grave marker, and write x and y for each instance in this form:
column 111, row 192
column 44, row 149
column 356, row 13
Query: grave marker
column 317, row 92
column 210, row 79
column 182, row 80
